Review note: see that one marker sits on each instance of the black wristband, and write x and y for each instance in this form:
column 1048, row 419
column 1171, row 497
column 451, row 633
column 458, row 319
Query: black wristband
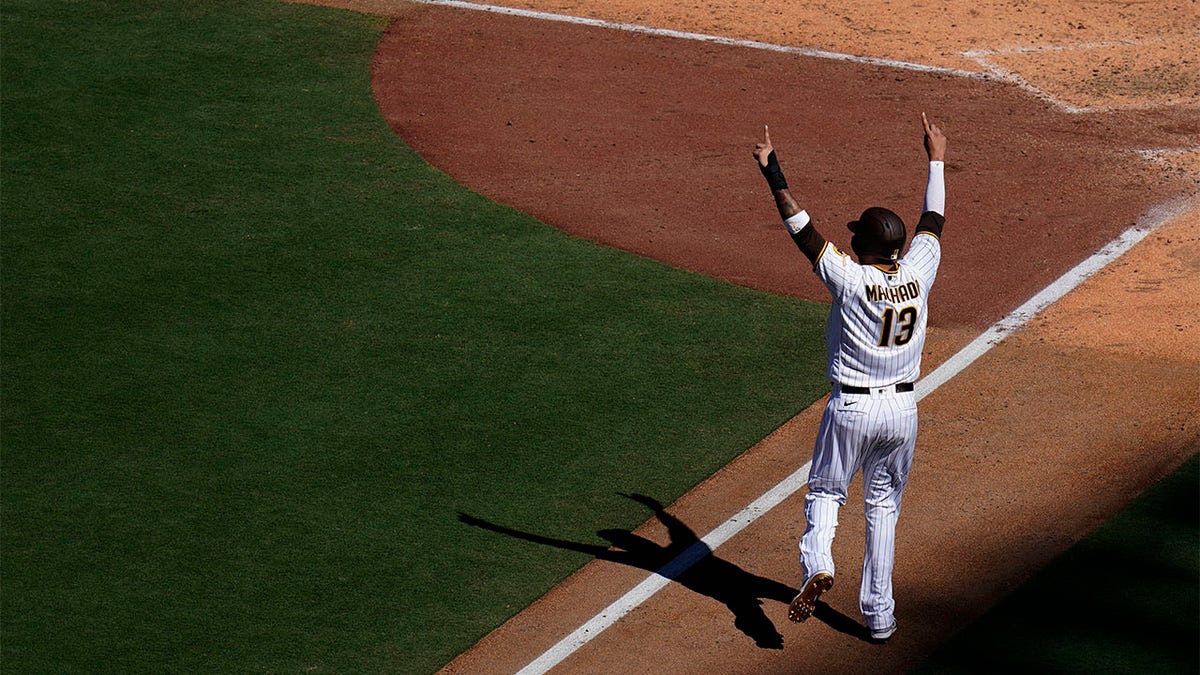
column 773, row 173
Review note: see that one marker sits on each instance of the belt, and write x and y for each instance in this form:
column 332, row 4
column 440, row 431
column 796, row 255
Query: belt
column 901, row 388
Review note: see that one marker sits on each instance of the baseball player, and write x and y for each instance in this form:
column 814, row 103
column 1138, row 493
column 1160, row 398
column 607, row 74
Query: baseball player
column 874, row 339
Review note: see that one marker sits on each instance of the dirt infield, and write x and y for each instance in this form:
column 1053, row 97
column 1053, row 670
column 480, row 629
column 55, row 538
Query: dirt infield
column 1087, row 120
column 1033, row 189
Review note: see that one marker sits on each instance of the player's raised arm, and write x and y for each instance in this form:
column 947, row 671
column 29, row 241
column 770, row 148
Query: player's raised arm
column 803, row 234
column 935, row 148
column 768, row 163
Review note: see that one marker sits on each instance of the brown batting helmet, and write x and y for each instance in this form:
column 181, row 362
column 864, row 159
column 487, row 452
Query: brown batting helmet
column 878, row 232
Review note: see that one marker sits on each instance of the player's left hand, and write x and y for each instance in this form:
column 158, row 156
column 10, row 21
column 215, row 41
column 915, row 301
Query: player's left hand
column 763, row 150
column 935, row 140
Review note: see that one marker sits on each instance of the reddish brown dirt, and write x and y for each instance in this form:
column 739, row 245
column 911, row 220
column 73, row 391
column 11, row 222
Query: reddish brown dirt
column 1122, row 53
column 648, row 150
column 643, row 143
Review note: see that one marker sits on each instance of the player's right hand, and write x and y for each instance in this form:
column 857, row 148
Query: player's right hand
column 763, row 150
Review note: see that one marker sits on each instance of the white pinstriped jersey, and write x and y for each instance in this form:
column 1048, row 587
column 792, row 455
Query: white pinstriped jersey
column 876, row 329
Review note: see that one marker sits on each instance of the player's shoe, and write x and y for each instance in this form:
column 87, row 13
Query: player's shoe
column 806, row 600
column 882, row 634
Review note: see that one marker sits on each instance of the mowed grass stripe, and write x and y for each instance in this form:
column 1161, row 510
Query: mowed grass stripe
column 257, row 357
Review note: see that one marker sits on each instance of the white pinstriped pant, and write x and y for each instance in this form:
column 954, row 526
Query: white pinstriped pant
column 875, row 433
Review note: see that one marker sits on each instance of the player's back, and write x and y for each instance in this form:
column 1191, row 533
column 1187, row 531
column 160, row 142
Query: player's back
column 877, row 324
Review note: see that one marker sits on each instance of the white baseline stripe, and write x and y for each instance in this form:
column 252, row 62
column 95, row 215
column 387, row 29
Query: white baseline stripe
column 713, row 39
column 1149, row 221
column 1070, row 47
column 1011, row 76
column 655, row 582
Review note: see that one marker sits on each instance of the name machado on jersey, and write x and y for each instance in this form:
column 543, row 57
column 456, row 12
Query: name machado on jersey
column 893, row 294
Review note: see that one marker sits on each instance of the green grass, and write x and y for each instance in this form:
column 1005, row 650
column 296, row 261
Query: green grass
column 1126, row 599
column 256, row 357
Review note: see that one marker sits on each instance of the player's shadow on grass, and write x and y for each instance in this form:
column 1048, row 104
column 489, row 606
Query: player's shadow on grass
column 689, row 562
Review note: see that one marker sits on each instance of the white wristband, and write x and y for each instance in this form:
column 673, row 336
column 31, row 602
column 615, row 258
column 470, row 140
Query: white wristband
column 797, row 222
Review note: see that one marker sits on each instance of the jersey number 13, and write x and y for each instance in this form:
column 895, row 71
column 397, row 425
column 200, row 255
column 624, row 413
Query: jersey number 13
column 897, row 326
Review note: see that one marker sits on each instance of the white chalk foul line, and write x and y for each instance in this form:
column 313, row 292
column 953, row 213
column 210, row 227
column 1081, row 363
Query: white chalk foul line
column 655, row 582
column 1012, row 77
column 1149, row 221
column 701, row 37
column 991, row 70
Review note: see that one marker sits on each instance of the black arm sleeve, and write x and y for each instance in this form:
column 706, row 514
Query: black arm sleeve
column 931, row 222
column 773, row 173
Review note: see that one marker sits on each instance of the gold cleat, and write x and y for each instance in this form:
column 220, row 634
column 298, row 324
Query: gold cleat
column 806, row 600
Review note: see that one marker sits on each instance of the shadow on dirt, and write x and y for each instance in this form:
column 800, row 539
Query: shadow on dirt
column 689, row 562
column 1125, row 599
